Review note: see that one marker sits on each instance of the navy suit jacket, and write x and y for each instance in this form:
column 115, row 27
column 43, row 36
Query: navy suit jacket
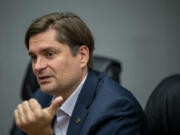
column 103, row 108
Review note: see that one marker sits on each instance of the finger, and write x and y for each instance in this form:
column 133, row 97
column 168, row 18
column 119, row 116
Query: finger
column 20, row 113
column 26, row 108
column 55, row 105
column 36, row 109
column 34, row 105
column 16, row 117
column 29, row 114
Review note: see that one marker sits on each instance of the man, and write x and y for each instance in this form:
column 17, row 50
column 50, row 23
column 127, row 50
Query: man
column 85, row 102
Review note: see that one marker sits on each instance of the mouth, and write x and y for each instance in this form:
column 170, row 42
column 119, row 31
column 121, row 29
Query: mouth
column 44, row 79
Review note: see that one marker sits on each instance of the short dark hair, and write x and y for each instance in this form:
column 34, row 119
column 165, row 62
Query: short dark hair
column 71, row 30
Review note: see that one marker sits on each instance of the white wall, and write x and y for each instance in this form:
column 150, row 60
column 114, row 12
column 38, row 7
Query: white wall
column 142, row 34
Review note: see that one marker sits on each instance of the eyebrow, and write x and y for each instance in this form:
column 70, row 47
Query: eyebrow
column 45, row 50
column 31, row 53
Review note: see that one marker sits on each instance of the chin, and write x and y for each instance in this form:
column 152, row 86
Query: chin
column 47, row 89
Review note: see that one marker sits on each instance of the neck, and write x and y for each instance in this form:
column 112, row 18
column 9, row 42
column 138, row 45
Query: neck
column 68, row 92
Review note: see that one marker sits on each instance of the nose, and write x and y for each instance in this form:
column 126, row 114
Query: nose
column 39, row 65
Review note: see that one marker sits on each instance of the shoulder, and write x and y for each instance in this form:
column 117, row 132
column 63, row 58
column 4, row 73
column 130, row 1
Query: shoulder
column 111, row 97
column 114, row 106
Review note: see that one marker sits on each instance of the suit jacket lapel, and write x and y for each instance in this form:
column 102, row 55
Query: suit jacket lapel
column 77, row 120
column 84, row 100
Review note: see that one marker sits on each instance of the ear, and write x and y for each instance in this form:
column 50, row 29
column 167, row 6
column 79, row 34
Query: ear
column 83, row 55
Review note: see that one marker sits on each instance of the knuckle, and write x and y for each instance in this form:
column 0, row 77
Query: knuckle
column 19, row 105
column 32, row 100
column 15, row 111
column 24, row 102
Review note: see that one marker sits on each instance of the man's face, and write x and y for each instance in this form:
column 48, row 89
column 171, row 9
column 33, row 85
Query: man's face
column 58, row 72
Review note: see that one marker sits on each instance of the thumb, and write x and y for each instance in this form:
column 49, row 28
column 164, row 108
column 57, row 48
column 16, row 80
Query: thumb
column 54, row 105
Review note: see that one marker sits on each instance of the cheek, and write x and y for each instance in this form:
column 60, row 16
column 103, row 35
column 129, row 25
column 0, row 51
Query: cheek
column 59, row 66
column 34, row 71
column 64, row 66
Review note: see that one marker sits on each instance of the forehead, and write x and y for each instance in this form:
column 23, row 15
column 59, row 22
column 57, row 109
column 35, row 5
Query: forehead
column 46, row 41
column 49, row 35
column 43, row 40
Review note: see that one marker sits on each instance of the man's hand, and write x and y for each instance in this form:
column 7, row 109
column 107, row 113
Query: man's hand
column 33, row 120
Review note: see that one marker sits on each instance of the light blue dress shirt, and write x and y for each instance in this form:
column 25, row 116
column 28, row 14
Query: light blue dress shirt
column 64, row 112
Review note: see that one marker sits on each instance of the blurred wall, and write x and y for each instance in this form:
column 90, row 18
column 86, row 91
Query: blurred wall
column 142, row 34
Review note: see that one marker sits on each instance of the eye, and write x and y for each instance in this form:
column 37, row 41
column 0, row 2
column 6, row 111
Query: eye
column 50, row 54
column 33, row 58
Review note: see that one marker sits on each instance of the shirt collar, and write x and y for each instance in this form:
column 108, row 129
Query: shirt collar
column 68, row 106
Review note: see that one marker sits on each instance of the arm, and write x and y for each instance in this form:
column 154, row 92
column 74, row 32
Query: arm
column 33, row 120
